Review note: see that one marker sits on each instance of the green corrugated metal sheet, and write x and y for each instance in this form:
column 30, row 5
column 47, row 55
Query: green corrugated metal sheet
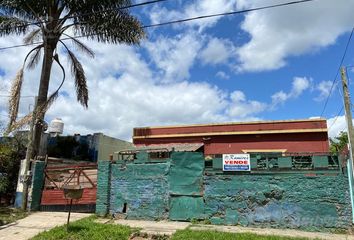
column 217, row 163
column 320, row 161
column 142, row 157
column 285, row 162
column 186, row 173
column 186, row 208
column 253, row 162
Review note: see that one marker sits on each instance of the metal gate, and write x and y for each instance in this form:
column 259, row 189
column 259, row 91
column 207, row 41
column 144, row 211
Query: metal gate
column 58, row 176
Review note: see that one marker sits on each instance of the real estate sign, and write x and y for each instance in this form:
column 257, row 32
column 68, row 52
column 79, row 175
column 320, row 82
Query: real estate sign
column 236, row 162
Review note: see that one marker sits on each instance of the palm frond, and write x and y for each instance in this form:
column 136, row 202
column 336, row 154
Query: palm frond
column 81, row 46
column 106, row 21
column 55, row 95
column 91, row 6
column 15, row 94
column 33, row 36
column 27, row 10
column 35, row 57
column 20, row 123
column 80, row 78
column 12, row 25
column 14, row 101
column 111, row 27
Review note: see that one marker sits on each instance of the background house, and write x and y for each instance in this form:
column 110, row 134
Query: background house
column 283, row 137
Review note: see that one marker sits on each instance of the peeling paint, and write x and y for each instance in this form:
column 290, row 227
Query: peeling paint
column 181, row 189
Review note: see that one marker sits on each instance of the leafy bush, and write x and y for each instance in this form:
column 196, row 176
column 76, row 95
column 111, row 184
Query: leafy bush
column 12, row 150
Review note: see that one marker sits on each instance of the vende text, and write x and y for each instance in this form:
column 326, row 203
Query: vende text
column 236, row 162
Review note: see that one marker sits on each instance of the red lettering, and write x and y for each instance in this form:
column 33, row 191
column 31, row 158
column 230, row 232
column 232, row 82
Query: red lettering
column 238, row 162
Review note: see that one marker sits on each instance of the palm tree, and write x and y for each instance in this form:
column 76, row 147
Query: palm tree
column 106, row 21
column 48, row 21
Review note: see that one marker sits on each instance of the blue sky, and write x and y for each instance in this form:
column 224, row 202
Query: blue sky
column 265, row 65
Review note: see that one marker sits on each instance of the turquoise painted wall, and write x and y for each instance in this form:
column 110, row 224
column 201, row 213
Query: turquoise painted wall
column 147, row 189
column 282, row 200
column 140, row 188
column 103, row 187
column 37, row 185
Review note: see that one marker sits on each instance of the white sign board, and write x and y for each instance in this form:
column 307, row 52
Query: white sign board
column 236, row 162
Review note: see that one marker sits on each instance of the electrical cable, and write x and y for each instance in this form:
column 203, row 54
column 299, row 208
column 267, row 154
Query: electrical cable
column 337, row 73
column 336, row 118
column 183, row 20
column 21, row 96
column 227, row 13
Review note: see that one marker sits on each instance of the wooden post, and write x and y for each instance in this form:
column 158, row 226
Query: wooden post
column 348, row 112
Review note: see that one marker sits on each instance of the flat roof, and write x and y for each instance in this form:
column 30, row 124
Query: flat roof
column 319, row 130
column 235, row 123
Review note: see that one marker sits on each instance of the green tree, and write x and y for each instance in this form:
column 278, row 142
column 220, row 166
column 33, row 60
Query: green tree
column 107, row 21
column 338, row 143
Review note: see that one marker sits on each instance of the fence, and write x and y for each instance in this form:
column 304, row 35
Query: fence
column 309, row 192
column 48, row 183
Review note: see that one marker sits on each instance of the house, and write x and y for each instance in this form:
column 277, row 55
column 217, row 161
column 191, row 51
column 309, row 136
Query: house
column 281, row 137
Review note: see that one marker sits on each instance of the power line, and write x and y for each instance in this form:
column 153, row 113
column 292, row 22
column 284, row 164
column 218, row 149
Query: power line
column 86, row 14
column 227, row 13
column 336, row 118
column 185, row 20
column 340, row 65
column 7, row 96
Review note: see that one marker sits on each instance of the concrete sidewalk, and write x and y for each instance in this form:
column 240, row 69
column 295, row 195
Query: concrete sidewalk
column 169, row 228
column 41, row 221
column 35, row 223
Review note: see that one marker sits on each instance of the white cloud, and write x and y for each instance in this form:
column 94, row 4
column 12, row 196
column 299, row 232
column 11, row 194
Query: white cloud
column 222, row 75
column 275, row 34
column 336, row 125
column 279, row 98
column 123, row 92
column 324, row 88
column 125, row 95
column 242, row 108
column 217, row 51
column 299, row 85
column 194, row 9
column 175, row 56
column 278, row 33
column 121, row 104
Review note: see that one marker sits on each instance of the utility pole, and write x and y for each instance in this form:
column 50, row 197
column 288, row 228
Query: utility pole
column 348, row 112
column 26, row 177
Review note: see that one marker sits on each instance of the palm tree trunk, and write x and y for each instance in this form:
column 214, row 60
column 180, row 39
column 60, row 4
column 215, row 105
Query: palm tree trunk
column 42, row 96
column 38, row 117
